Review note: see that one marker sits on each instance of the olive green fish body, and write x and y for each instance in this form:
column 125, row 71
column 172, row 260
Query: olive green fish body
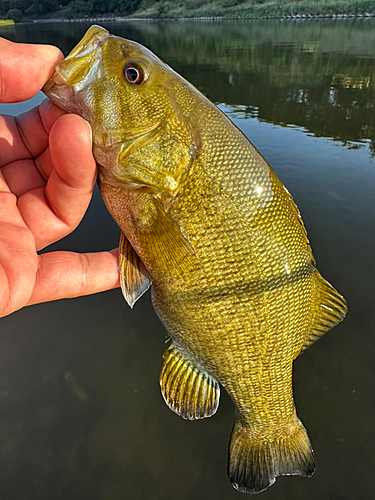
column 205, row 219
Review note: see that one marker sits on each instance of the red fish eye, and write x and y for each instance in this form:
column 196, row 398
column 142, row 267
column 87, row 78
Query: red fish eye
column 133, row 74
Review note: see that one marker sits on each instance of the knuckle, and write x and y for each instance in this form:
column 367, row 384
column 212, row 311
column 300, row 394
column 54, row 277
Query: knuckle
column 85, row 265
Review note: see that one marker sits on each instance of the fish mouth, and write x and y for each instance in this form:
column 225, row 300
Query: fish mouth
column 94, row 37
column 71, row 77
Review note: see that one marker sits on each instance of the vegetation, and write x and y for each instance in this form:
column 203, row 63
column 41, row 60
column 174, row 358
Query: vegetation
column 253, row 8
column 21, row 9
column 5, row 22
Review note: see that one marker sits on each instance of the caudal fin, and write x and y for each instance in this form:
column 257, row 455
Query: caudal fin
column 256, row 461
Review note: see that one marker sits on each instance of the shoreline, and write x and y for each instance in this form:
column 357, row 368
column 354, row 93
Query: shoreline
column 202, row 10
column 297, row 17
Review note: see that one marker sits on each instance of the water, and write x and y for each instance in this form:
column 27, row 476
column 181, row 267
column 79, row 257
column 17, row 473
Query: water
column 81, row 414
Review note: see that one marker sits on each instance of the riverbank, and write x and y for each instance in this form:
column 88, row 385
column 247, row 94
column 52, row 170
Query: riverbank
column 201, row 9
column 261, row 10
column 111, row 18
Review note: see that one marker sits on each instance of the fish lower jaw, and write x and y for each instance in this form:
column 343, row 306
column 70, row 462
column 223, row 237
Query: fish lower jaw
column 58, row 93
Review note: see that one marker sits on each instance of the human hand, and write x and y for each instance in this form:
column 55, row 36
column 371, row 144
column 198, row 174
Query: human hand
column 47, row 176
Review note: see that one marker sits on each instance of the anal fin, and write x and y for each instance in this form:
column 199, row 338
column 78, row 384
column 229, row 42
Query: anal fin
column 134, row 278
column 188, row 390
column 330, row 310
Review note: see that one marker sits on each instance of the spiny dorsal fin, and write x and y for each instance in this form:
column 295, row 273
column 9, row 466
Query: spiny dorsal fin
column 188, row 390
column 255, row 460
column 169, row 242
column 134, row 278
column 331, row 309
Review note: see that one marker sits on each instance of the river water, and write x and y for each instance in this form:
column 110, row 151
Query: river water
column 81, row 415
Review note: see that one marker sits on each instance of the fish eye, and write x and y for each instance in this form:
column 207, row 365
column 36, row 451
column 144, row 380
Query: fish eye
column 134, row 73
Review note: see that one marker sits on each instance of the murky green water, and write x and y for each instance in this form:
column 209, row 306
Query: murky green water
column 81, row 415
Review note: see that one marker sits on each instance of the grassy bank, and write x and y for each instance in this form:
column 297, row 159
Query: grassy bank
column 5, row 22
column 159, row 9
column 253, row 9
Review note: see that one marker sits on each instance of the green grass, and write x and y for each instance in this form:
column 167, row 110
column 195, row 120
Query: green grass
column 254, row 8
column 5, row 22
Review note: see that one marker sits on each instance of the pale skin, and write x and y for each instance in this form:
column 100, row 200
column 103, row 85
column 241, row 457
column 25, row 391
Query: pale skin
column 47, row 176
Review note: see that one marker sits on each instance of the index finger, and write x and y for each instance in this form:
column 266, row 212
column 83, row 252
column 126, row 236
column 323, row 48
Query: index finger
column 25, row 68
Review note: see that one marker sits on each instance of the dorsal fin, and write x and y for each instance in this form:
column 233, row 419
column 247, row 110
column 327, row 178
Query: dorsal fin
column 331, row 309
column 187, row 389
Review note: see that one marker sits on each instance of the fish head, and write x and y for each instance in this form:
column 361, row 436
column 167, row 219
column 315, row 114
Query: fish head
column 138, row 108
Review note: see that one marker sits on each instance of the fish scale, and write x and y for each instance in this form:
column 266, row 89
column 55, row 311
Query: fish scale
column 205, row 220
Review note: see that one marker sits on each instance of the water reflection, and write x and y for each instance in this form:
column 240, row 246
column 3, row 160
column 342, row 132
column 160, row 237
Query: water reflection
column 317, row 76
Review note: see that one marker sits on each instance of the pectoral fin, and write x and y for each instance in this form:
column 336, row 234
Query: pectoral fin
column 188, row 390
column 134, row 278
column 330, row 310
column 168, row 241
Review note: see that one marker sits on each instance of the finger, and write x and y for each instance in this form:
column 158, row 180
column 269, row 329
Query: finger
column 49, row 114
column 17, row 257
column 27, row 135
column 64, row 275
column 41, row 218
column 71, row 183
column 4, row 188
column 9, row 213
column 22, row 176
column 53, row 212
column 12, row 145
column 44, row 164
column 25, row 68
column 35, row 125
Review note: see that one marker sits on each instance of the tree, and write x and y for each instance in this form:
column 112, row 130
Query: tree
column 4, row 7
column 15, row 14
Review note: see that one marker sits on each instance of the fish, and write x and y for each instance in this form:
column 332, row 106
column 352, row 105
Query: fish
column 205, row 221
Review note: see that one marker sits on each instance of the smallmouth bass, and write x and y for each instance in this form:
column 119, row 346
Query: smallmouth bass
column 204, row 219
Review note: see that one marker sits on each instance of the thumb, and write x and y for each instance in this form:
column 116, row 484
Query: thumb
column 25, row 68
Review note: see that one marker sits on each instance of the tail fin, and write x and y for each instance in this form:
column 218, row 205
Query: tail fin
column 256, row 461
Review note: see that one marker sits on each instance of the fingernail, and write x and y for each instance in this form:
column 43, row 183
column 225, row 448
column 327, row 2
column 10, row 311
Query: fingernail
column 45, row 106
column 89, row 130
